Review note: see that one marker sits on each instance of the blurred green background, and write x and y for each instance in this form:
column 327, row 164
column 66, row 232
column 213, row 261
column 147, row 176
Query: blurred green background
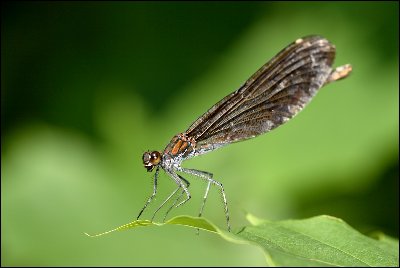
column 87, row 87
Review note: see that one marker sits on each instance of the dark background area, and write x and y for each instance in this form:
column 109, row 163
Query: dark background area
column 86, row 87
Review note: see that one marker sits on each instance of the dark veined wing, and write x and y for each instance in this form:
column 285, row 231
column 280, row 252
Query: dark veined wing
column 270, row 97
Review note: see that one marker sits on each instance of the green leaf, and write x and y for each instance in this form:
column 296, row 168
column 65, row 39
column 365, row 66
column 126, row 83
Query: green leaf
column 317, row 241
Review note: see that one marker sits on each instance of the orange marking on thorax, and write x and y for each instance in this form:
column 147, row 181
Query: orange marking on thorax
column 176, row 147
column 184, row 146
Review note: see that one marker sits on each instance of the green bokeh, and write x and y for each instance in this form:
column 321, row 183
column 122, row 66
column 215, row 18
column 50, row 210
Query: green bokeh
column 87, row 87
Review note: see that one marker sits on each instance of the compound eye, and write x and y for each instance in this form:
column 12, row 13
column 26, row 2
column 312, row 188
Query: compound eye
column 146, row 157
column 155, row 157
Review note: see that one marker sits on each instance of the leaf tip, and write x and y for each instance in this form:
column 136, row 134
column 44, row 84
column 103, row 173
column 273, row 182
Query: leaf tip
column 89, row 235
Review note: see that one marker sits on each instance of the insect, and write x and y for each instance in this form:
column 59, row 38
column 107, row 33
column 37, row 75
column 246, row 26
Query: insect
column 275, row 93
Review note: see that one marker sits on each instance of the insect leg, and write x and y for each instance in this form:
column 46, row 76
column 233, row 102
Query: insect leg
column 153, row 194
column 165, row 201
column 180, row 181
column 179, row 197
column 204, row 198
column 208, row 176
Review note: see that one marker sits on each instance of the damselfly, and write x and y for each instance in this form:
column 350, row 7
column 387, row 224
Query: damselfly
column 270, row 97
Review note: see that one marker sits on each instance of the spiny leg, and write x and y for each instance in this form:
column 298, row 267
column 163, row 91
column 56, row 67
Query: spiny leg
column 208, row 176
column 153, row 194
column 205, row 198
column 179, row 180
column 179, row 197
column 173, row 205
column 204, row 202
column 165, row 201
